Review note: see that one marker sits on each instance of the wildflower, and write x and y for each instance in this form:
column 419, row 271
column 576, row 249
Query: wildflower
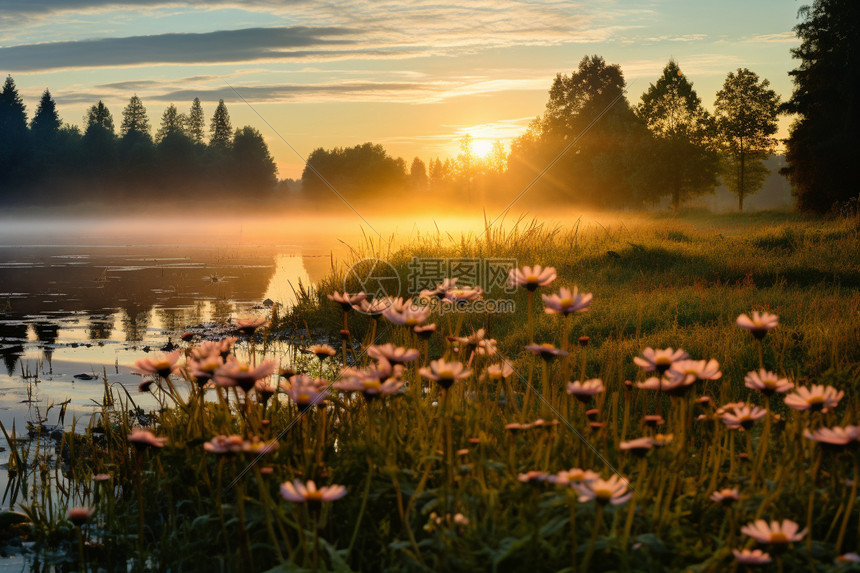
column 144, row 439
column 441, row 289
column 740, row 415
column 424, row 332
column 80, row 515
column 776, row 533
column 659, row 360
column 532, row 277
column 203, row 369
column 725, row 496
column 374, row 307
column 701, row 369
column 209, row 347
column 221, row 445
column 546, row 351
column 306, row 391
column 287, row 371
column 347, row 300
column 464, row 294
column 613, row 490
column 145, row 385
column 101, row 477
column 533, row 476
column 497, row 371
column 298, row 492
column 661, row 440
column 541, row 423
column 767, row 382
column 848, row 558
column 256, row 446
column 369, row 382
column 639, row 446
column 249, row 326
column 515, row 427
column 237, row 373
column 816, row 397
column 674, row 384
column 834, row 438
column 163, row 365
column 566, row 302
column 653, row 420
column 583, row 340
column 759, row 324
column 445, row 373
column 751, row 557
column 392, row 353
column 592, row 414
column 583, row 391
column 407, row 314
column 322, row 351
column 571, row 476
column 265, row 389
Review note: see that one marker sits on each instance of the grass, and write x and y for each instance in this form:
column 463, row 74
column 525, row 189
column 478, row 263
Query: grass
column 433, row 477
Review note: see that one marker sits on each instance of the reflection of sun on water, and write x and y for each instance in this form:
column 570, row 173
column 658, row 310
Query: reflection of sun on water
column 289, row 270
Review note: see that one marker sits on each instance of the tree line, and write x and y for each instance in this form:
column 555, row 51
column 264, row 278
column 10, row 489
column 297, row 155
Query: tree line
column 45, row 161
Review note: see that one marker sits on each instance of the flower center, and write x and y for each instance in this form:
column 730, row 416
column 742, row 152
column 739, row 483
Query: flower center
column 603, row 494
column 778, row 537
column 565, row 302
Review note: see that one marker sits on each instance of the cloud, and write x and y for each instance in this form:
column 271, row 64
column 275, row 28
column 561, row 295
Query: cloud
column 249, row 44
column 779, row 38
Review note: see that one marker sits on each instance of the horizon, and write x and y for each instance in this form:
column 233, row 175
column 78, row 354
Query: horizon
column 336, row 79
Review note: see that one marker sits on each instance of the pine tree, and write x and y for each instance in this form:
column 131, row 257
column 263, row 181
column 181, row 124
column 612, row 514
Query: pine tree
column 196, row 123
column 13, row 115
column 15, row 145
column 46, row 122
column 220, row 129
column 172, row 123
column 99, row 116
column 134, row 119
column 821, row 149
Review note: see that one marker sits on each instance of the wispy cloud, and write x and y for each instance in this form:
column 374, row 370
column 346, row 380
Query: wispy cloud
column 250, row 44
column 779, row 38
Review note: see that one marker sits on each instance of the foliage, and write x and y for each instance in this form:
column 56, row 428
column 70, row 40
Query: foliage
column 682, row 159
column 746, row 111
column 821, row 148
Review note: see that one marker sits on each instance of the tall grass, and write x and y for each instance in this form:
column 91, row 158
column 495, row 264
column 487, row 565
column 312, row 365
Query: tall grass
column 435, row 480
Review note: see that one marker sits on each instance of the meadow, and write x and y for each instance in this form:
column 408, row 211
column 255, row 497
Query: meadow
column 472, row 447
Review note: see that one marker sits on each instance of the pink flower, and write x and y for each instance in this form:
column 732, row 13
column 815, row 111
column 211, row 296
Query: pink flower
column 298, row 492
column 237, row 373
column 346, row 300
column 816, row 397
column 725, row 496
column 464, row 294
column 583, row 391
column 546, row 351
column 759, row 324
column 322, row 351
column 145, row 439
column 306, row 391
column 441, row 289
column 613, row 490
column 571, row 476
column 566, row 302
column 497, row 371
column 408, row 314
column 700, row 369
column 835, row 437
column 163, row 365
column 740, row 415
column 639, row 446
column 249, row 326
column 80, row 515
column 776, row 533
column 532, row 277
column 767, row 382
column 445, row 373
column 754, row 557
column 659, row 360
column 395, row 354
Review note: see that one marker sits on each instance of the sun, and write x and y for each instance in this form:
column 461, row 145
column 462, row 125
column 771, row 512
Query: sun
column 482, row 147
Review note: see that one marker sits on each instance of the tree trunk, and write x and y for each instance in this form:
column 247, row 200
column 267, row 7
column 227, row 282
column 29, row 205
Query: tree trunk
column 741, row 174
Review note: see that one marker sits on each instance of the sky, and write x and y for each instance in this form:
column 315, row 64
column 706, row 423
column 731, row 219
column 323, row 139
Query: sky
column 413, row 75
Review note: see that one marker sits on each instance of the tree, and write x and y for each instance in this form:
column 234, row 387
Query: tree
column 682, row 160
column 746, row 113
column 172, row 123
column 365, row 169
column 99, row 116
column 252, row 165
column 498, row 159
column 466, row 159
column 195, row 122
column 583, row 145
column 14, row 138
column 821, row 149
column 46, row 121
column 220, row 129
column 134, row 119
column 418, row 175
